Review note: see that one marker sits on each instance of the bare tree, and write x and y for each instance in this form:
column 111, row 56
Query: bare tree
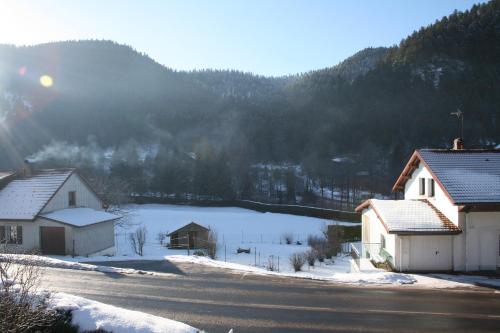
column 297, row 260
column 138, row 240
column 21, row 308
column 288, row 237
column 161, row 237
column 212, row 243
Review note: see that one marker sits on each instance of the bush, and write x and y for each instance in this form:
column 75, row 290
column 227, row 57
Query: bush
column 288, row 238
column 271, row 264
column 311, row 256
column 199, row 253
column 161, row 237
column 335, row 237
column 138, row 240
column 297, row 260
column 320, row 245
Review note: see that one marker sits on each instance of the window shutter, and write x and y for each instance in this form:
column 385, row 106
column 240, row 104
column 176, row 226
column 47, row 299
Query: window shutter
column 19, row 234
column 2, row 234
column 431, row 187
column 422, row 186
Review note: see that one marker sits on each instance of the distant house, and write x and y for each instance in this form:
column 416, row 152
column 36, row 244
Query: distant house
column 192, row 235
column 55, row 211
column 449, row 218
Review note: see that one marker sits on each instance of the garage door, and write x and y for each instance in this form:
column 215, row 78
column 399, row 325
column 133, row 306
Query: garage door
column 430, row 253
column 52, row 240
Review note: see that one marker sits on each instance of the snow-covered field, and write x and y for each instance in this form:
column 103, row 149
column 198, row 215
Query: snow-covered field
column 262, row 233
column 235, row 227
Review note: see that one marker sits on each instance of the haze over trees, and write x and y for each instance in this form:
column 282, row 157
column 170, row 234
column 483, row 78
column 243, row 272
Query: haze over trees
column 229, row 134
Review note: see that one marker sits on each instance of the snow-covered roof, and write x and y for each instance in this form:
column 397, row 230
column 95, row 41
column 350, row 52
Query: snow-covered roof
column 469, row 176
column 24, row 198
column 80, row 217
column 5, row 174
column 410, row 217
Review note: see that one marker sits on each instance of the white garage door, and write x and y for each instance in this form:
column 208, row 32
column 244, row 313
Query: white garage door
column 430, row 253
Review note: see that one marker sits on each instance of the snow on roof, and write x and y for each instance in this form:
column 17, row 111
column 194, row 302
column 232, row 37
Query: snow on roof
column 410, row 216
column 80, row 217
column 469, row 176
column 24, row 198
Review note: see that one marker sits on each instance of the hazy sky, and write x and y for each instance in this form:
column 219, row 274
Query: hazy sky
column 271, row 37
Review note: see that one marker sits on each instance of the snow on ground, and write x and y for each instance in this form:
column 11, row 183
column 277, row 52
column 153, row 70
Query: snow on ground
column 91, row 315
column 235, row 227
column 262, row 233
column 65, row 263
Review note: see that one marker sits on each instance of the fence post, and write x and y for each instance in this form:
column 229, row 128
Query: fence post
column 278, row 263
column 224, row 252
column 255, row 256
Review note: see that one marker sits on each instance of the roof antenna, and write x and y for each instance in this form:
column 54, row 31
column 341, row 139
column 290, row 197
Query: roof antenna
column 460, row 116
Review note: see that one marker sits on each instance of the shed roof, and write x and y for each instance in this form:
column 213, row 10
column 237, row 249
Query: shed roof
column 80, row 217
column 410, row 217
column 189, row 225
column 24, row 198
column 467, row 176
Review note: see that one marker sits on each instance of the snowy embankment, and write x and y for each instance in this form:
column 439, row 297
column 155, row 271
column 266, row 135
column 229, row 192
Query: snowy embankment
column 68, row 263
column 90, row 315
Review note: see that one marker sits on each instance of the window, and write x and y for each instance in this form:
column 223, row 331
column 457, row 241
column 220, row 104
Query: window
column 430, row 184
column 382, row 241
column 421, row 189
column 72, row 198
column 11, row 234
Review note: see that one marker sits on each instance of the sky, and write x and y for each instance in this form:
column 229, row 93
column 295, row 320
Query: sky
column 267, row 37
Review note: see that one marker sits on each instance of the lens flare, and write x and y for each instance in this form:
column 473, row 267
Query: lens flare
column 22, row 70
column 46, row 81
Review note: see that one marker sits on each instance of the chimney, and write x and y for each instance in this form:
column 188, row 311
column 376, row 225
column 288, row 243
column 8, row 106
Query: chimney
column 27, row 168
column 458, row 144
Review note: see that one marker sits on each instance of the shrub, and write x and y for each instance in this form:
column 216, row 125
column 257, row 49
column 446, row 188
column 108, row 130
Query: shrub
column 199, row 253
column 311, row 256
column 138, row 240
column 320, row 245
column 335, row 236
column 288, row 238
column 271, row 264
column 297, row 260
column 161, row 237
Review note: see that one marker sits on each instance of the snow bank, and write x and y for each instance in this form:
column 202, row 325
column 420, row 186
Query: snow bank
column 92, row 315
column 58, row 263
column 379, row 277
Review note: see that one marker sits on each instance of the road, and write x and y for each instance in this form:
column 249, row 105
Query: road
column 216, row 301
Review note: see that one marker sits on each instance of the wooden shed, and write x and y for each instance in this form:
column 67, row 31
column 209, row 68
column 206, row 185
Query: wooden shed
column 192, row 235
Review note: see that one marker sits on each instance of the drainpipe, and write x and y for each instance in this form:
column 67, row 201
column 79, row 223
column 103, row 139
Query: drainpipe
column 465, row 243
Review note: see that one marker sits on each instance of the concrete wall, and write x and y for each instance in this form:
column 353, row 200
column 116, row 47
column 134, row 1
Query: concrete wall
column 84, row 196
column 440, row 200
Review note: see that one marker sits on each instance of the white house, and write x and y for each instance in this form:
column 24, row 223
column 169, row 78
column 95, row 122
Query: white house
column 54, row 211
column 449, row 218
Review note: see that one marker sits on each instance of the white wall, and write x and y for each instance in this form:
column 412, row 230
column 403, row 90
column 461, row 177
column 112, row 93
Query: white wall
column 440, row 200
column 373, row 228
column 84, row 196
column 482, row 231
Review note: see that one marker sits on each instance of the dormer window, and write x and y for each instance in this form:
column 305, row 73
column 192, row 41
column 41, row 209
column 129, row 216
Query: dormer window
column 430, row 185
column 72, row 198
column 421, row 187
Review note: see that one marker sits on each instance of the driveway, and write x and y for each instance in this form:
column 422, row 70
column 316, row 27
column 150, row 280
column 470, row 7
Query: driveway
column 217, row 300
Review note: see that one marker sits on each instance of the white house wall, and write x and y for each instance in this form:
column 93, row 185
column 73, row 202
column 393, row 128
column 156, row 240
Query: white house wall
column 374, row 228
column 84, row 196
column 482, row 232
column 440, row 199
column 94, row 238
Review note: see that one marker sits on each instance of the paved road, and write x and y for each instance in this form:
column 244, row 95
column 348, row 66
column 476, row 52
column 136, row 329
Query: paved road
column 216, row 300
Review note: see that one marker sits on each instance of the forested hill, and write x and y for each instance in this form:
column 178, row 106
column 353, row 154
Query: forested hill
column 374, row 107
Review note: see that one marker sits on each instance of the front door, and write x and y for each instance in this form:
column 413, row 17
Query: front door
column 52, row 240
